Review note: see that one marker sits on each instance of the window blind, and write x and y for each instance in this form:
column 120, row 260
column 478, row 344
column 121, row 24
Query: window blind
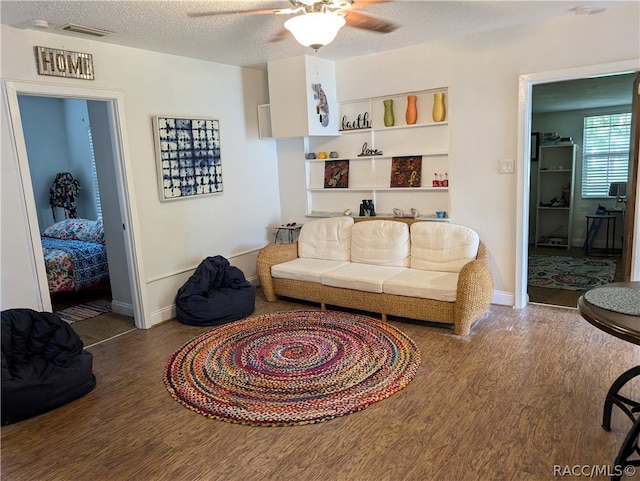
column 605, row 153
column 94, row 173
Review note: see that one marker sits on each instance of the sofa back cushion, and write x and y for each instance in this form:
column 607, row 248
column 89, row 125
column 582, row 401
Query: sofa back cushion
column 381, row 242
column 328, row 239
column 439, row 246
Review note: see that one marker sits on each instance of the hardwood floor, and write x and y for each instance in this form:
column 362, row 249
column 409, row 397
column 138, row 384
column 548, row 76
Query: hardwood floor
column 522, row 394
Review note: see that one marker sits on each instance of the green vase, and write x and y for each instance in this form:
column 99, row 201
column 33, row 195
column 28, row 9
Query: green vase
column 389, row 120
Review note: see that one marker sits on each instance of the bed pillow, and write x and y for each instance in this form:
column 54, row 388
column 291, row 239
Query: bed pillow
column 77, row 229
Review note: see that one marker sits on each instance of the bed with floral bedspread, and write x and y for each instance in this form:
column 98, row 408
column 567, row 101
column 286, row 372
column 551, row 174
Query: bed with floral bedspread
column 75, row 255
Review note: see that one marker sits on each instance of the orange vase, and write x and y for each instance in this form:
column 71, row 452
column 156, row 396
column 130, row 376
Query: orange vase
column 412, row 111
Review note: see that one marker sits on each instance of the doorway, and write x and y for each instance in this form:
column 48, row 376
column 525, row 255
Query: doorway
column 104, row 107
column 527, row 82
column 562, row 265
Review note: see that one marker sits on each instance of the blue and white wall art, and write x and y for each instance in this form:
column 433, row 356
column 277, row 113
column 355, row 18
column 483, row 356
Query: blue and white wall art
column 188, row 153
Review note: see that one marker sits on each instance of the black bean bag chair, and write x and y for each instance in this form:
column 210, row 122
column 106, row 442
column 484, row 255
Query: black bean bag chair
column 215, row 294
column 44, row 364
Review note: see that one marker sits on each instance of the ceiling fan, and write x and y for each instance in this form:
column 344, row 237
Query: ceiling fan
column 318, row 21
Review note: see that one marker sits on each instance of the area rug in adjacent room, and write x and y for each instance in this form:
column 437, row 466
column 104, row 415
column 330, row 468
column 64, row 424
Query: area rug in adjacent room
column 86, row 310
column 291, row 367
column 574, row 273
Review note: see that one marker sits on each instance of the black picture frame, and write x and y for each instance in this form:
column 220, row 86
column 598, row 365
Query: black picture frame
column 535, row 146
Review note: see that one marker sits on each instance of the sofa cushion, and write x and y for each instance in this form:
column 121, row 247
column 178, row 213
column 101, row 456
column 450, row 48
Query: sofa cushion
column 328, row 239
column 439, row 286
column 361, row 277
column 380, row 242
column 437, row 246
column 304, row 269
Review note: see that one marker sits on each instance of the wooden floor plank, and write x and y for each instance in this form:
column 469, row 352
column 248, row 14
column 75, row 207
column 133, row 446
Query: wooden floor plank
column 520, row 395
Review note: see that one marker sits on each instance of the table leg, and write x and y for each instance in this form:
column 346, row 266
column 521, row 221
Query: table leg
column 614, row 397
column 628, row 448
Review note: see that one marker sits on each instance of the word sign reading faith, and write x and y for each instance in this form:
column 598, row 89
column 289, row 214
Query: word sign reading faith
column 64, row 63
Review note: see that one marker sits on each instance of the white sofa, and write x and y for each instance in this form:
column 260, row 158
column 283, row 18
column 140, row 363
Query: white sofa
column 432, row 271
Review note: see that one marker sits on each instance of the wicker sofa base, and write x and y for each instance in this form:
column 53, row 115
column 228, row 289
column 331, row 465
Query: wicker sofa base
column 382, row 303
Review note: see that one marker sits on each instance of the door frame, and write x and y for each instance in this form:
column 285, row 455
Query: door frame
column 124, row 178
column 525, row 92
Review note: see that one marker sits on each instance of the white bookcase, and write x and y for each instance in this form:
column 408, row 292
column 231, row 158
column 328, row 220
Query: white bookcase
column 555, row 196
column 370, row 172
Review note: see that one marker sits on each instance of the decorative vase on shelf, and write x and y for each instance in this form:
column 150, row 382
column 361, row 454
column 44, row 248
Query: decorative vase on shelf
column 389, row 120
column 412, row 111
column 439, row 110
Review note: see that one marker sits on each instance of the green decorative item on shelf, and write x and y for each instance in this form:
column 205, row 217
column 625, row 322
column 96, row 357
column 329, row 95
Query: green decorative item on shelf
column 389, row 119
column 411, row 115
column 439, row 112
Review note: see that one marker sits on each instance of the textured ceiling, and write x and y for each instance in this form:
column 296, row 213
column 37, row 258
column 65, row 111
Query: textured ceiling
column 245, row 40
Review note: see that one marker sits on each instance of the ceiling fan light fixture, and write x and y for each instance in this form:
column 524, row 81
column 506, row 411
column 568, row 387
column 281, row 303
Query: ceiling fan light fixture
column 315, row 29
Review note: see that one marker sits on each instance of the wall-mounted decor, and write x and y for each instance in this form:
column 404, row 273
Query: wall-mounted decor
column 64, row 63
column 406, row 171
column 188, row 155
column 336, row 174
column 322, row 106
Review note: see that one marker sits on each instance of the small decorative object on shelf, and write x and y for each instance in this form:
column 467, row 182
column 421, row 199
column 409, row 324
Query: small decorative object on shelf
column 310, row 155
column 398, row 212
column 415, row 213
column 439, row 112
column 411, row 115
column 440, row 181
column 367, row 152
column 406, row 171
column 441, row 214
column 347, row 212
column 336, row 174
column 333, row 154
column 322, row 155
column 389, row 119
column 361, row 122
column 367, row 208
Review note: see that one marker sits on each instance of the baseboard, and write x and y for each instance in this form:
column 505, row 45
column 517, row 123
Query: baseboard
column 122, row 308
column 503, row 298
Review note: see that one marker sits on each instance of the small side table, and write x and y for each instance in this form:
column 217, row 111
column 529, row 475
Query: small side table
column 594, row 222
column 289, row 232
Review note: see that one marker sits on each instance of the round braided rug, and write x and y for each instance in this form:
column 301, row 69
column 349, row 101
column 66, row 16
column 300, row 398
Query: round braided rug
column 294, row 367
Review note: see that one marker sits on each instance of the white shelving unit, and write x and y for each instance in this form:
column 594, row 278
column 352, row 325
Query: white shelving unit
column 370, row 174
column 556, row 179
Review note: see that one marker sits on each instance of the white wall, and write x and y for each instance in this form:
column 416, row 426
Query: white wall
column 482, row 73
column 174, row 236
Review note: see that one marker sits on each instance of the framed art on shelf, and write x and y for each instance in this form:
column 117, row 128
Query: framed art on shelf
column 188, row 156
column 336, row 174
column 406, row 171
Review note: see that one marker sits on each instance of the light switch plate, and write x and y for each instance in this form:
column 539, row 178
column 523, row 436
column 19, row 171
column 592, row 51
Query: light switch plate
column 506, row 166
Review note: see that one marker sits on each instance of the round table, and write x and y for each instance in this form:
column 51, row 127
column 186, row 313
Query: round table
column 615, row 309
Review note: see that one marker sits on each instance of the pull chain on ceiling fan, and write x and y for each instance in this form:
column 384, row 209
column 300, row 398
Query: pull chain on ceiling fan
column 319, row 21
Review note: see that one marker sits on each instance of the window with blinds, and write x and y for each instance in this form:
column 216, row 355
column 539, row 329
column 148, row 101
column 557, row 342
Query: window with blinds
column 94, row 175
column 605, row 152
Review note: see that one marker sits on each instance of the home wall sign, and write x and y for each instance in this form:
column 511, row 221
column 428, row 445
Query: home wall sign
column 64, row 63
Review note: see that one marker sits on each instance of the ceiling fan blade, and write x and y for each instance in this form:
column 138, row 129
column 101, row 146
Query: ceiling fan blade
column 260, row 11
column 279, row 35
column 365, row 3
column 367, row 21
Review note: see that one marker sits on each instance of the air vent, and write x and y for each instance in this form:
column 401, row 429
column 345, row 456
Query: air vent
column 95, row 32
